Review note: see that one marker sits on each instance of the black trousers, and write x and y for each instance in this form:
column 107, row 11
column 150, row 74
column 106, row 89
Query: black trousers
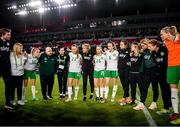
column 123, row 75
column 85, row 75
column 62, row 80
column 165, row 89
column 47, row 83
column 150, row 76
column 135, row 79
column 17, row 83
column 7, row 78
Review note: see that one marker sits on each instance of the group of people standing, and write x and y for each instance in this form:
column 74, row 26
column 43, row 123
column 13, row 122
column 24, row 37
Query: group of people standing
column 141, row 64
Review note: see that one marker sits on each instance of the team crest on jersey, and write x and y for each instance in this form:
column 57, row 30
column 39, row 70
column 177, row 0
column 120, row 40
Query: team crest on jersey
column 162, row 53
column 7, row 44
column 45, row 59
column 126, row 52
column 114, row 54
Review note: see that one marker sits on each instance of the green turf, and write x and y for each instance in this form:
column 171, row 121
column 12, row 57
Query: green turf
column 55, row 112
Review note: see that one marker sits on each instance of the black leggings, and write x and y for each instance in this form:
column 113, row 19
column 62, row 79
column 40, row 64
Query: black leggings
column 123, row 75
column 150, row 76
column 62, row 80
column 7, row 78
column 134, row 80
column 165, row 90
column 85, row 75
column 47, row 83
column 17, row 83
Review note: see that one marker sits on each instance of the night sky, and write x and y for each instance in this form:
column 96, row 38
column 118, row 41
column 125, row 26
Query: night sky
column 92, row 9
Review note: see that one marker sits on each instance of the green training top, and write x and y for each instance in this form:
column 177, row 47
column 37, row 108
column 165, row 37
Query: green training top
column 47, row 64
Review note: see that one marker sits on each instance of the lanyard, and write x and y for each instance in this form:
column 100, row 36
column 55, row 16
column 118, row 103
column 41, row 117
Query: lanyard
column 15, row 57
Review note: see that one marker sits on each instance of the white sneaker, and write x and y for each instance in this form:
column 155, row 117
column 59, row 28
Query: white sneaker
column 153, row 106
column 13, row 103
column 68, row 100
column 140, row 106
column 20, row 102
column 75, row 98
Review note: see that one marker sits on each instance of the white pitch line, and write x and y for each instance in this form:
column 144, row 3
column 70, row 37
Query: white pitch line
column 148, row 116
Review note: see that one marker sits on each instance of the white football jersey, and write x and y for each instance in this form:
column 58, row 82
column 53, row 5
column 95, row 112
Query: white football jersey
column 99, row 62
column 31, row 63
column 75, row 63
column 112, row 60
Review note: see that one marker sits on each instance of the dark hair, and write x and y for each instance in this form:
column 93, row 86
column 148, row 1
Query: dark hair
column 3, row 31
column 125, row 42
column 154, row 42
column 60, row 47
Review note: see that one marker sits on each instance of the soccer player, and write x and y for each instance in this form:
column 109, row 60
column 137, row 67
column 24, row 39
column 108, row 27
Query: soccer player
column 74, row 71
column 17, row 60
column 99, row 70
column 5, row 68
column 30, row 72
column 160, row 55
column 150, row 69
column 47, row 69
column 123, row 71
column 87, row 69
column 111, row 70
column 135, row 72
column 62, row 71
column 171, row 39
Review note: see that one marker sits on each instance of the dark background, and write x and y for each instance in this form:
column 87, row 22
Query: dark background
column 89, row 9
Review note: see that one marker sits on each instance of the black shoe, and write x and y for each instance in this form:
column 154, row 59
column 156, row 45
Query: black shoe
column 49, row 97
column 97, row 99
column 45, row 98
column 84, row 98
column 102, row 100
column 91, row 96
column 9, row 106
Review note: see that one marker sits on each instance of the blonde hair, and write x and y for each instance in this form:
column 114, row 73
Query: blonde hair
column 33, row 50
column 77, row 49
column 98, row 46
column 15, row 46
column 87, row 46
column 144, row 41
column 138, row 50
column 170, row 29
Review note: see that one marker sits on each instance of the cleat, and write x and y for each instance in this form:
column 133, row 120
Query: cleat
column 75, row 98
column 35, row 99
column 68, row 100
column 174, row 116
column 112, row 100
column 97, row 99
column 102, row 100
column 176, row 121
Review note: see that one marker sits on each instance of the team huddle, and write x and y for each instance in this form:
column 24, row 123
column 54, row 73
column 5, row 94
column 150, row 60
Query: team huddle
column 141, row 64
